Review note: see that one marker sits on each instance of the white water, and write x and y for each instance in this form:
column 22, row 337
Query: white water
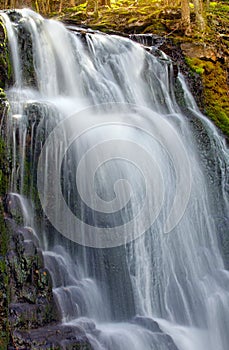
column 177, row 279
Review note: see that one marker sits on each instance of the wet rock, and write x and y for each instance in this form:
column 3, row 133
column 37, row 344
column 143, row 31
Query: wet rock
column 193, row 80
column 147, row 323
column 151, row 325
column 32, row 302
column 15, row 16
column 25, row 48
column 29, row 248
column 14, row 207
column 175, row 52
column 29, row 315
column 29, row 280
column 88, row 325
column 33, row 313
column 52, row 337
column 29, row 234
column 3, row 301
column 167, row 341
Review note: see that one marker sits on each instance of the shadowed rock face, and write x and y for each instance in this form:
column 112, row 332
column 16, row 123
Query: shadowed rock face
column 5, row 72
column 4, row 175
column 29, row 315
column 34, row 319
column 52, row 337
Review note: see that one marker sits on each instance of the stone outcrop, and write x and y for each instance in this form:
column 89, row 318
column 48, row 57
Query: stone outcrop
column 29, row 314
column 34, row 321
column 53, row 337
column 199, row 50
column 153, row 326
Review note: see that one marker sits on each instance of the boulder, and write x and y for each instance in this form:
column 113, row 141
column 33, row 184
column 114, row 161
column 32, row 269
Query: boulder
column 198, row 50
column 54, row 337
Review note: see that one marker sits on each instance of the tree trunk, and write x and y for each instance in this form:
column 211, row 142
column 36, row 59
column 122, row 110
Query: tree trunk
column 198, row 7
column 207, row 3
column 61, row 4
column 47, row 9
column 185, row 16
column 51, row 5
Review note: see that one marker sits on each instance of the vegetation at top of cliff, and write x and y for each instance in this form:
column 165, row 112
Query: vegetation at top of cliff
column 131, row 16
column 127, row 15
column 201, row 20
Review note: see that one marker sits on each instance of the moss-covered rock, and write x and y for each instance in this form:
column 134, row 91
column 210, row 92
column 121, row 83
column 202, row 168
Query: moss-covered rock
column 4, row 242
column 55, row 337
column 5, row 66
column 4, row 286
column 215, row 95
column 4, row 182
column 31, row 299
column 26, row 298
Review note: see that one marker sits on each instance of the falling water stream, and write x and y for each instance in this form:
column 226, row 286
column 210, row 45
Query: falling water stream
column 108, row 113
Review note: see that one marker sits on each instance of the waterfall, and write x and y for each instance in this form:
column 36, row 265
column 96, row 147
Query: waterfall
column 135, row 188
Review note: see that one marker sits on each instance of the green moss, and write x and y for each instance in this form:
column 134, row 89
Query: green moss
column 219, row 7
column 219, row 117
column 133, row 19
column 123, row 16
column 195, row 64
column 79, row 8
column 6, row 69
column 2, row 94
column 214, row 78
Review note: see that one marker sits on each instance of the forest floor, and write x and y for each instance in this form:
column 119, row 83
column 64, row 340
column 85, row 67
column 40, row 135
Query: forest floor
column 146, row 16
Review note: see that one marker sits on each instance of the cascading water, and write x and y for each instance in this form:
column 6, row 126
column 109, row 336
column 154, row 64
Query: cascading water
column 107, row 110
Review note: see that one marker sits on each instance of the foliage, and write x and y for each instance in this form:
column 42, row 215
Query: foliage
column 196, row 67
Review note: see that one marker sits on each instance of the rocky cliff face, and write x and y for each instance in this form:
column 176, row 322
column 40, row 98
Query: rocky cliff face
column 29, row 314
column 4, row 174
column 33, row 316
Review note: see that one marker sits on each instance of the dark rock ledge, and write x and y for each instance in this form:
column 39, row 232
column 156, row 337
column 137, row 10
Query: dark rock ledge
column 29, row 314
column 51, row 337
column 33, row 315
